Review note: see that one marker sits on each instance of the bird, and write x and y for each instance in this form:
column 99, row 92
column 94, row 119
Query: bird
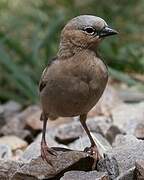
column 73, row 81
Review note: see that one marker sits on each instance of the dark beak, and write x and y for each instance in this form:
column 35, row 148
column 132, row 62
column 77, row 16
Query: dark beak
column 107, row 31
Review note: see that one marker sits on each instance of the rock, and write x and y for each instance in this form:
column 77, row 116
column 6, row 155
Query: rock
column 21, row 124
column 112, row 132
column 99, row 124
column 2, row 119
column 122, row 140
column 7, row 112
column 67, row 133
column 39, row 169
column 8, row 169
column 140, row 169
column 19, row 176
column 33, row 150
column 28, row 111
column 15, row 126
column 110, row 165
column 81, row 175
column 59, row 121
column 127, row 116
column 131, row 95
column 64, row 160
column 127, row 149
column 1, row 109
column 139, row 131
column 109, row 100
column 14, row 142
column 102, row 144
column 31, row 116
column 5, row 151
column 127, row 175
column 12, row 107
column 33, row 119
column 17, row 154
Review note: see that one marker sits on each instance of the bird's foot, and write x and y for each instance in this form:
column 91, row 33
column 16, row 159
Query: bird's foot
column 47, row 153
column 93, row 151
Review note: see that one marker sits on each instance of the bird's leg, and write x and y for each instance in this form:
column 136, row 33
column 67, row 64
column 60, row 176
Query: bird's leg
column 93, row 150
column 46, row 152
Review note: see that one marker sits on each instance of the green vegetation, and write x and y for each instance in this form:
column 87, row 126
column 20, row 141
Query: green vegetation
column 29, row 36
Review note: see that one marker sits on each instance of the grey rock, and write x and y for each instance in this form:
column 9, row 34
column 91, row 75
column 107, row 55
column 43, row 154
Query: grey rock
column 81, row 175
column 33, row 119
column 40, row 169
column 8, row 169
column 127, row 149
column 1, row 109
column 83, row 142
column 33, row 150
column 64, row 161
column 112, row 132
column 140, row 169
column 109, row 100
column 2, row 118
column 12, row 107
column 127, row 116
column 102, row 123
column 130, row 95
column 20, row 176
column 125, row 140
column 110, row 165
column 5, row 151
column 14, row 142
column 127, row 175
column 67, row 133
column 14, row 121
column 139, row 131
column 15, row 126
column 28, row 112
column 80, row 143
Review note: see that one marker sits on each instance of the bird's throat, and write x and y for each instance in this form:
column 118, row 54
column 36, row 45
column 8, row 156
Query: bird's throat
column 68, row 49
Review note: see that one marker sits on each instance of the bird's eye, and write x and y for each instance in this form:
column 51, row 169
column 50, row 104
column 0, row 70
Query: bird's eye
column 89, row 30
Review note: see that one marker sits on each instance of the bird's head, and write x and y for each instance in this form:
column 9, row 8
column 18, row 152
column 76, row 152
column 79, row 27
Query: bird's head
column 86, row 31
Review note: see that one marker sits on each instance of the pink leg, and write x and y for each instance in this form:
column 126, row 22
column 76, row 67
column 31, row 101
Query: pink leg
column 92, row 150
column 46, row 152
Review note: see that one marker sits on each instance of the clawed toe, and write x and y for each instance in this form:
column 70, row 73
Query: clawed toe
column 48, row 154
column 52, row 151
column 93, row 151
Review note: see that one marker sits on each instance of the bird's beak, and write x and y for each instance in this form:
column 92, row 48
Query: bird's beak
column 107, row 31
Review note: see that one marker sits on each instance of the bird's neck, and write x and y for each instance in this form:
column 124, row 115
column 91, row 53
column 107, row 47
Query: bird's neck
column 68, row 49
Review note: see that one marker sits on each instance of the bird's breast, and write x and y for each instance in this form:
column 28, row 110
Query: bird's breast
column 74, row 89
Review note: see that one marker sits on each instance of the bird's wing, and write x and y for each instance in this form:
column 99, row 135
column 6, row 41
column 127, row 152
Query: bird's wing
column 43, row 79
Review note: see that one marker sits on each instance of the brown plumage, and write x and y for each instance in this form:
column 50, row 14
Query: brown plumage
column 74, row 81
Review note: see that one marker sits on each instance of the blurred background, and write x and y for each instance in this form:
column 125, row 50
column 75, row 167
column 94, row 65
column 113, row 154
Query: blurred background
column 29, row 38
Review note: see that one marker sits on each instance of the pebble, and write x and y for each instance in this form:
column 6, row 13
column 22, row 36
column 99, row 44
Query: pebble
column 14, row 142
column 82, row 175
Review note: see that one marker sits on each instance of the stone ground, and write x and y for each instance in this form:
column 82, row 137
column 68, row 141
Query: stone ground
column 116, row 124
